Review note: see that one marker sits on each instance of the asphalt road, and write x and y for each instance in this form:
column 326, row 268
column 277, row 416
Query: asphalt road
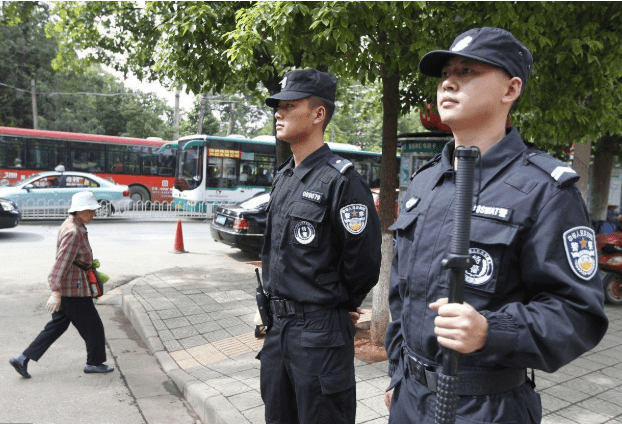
column 59, row 391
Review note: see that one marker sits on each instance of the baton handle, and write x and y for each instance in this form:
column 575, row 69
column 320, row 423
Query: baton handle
column 456, row 261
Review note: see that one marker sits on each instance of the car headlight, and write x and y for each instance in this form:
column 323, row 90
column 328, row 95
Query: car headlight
column 7, row 206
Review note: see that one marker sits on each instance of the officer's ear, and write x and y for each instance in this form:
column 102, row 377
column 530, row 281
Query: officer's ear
column 320, row 115
column 513, row 90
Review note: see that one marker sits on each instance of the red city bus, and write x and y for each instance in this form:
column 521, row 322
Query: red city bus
column 134, row 162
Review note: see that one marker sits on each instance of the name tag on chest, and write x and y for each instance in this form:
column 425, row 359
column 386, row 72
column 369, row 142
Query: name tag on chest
column 313, row 196
column 502, row 214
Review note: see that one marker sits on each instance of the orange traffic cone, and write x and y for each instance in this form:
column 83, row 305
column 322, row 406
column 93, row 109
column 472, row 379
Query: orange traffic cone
column 179, row 240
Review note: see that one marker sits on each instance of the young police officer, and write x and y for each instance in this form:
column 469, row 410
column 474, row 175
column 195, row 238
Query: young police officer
column 321, row 257
column 533, row 297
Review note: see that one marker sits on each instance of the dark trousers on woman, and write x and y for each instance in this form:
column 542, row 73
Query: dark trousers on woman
column 81, row 312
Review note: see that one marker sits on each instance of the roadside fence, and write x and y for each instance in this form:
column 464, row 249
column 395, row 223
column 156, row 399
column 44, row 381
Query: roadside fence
column 41, row 209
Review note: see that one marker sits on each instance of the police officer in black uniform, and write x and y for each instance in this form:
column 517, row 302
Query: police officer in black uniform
column 533, row 296
column 321, row 257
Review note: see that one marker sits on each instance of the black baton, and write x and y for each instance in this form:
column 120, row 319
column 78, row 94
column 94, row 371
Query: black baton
column 456, row 261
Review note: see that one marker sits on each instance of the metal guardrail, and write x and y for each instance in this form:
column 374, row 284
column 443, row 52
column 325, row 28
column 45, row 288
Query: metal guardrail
column 152, row 210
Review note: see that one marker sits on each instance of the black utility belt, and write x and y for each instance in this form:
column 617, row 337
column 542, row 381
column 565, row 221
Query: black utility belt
column 470, row 383
column 285, row 307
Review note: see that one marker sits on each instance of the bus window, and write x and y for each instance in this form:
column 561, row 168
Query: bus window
column 221, row 173
column 166, row 163
column 149, row 161
column 124, row 160
column 88, row 158
column 11, row 153
column 45, row 154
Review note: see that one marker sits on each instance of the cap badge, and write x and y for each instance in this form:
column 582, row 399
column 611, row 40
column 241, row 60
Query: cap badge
column 462, row 44
column 283, row 83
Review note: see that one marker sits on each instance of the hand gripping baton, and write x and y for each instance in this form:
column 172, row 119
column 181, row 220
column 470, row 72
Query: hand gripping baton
column 457, row 260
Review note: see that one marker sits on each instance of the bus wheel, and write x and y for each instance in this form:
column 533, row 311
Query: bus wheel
column 139, row 194
column 106, row 209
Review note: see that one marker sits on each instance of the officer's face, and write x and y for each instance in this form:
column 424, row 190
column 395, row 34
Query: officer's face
column 470, row 93
column 294, row 120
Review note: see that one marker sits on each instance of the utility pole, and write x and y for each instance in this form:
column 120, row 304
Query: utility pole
column 231, row 118
column 35, row 124
column 176, row 116
column 203, row 104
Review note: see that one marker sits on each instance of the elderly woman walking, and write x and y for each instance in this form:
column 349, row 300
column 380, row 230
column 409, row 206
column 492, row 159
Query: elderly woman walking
column 71, row 300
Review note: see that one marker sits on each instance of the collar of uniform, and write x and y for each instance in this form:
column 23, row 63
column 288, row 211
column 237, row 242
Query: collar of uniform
column 500, row 155
column 312, row 161
column 493, row 161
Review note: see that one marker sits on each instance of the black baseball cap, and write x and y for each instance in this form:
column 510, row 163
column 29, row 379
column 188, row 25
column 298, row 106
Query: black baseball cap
column 303, row 83
column 493, row 46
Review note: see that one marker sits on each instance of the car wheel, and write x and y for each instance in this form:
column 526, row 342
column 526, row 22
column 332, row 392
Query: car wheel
column 106, row 209
column 139, row 194
column 613, row 288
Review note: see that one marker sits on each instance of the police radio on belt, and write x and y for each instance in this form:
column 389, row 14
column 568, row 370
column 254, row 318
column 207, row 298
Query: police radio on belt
column 262, row 303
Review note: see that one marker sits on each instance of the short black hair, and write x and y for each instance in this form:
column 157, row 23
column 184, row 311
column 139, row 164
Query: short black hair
column 315, row 101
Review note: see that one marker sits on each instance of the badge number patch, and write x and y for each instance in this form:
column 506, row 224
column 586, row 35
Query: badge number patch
column 481, row 269
column 304, row 232
column 581, row 251
column 354, row 218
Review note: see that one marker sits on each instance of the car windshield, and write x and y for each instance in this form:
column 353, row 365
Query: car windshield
column 256, row 202
column 26, row 181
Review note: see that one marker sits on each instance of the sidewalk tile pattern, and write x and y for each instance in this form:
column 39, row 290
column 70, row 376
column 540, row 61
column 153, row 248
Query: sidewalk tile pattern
column 205, row 320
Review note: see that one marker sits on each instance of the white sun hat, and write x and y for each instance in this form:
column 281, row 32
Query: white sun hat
column 82, row 201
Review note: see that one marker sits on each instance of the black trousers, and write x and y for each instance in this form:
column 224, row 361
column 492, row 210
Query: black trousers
column 81, row 312
column 307, row 369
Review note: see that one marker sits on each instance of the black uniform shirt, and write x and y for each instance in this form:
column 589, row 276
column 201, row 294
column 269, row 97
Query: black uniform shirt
column 534, row 273
column 322, row 241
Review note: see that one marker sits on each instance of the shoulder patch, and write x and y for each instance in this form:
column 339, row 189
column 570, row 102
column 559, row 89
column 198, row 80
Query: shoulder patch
column 559, row 171
column 339, row 163
column 580, row 244
column 354, row 218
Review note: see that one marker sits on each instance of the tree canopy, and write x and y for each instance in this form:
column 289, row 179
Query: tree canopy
column 90, row 101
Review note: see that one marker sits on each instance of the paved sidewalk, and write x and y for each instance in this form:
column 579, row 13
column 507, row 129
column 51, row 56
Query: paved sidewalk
column 198, row 323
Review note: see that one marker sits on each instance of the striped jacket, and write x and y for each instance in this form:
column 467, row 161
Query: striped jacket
column 72, row 245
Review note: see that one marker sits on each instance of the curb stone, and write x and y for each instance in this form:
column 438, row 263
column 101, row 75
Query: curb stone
column 209, row 405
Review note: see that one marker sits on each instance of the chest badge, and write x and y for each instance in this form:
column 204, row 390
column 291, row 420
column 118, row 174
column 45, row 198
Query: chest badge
column 354, row 218
column 482, row 268
column 581, row 251
column 304, row 232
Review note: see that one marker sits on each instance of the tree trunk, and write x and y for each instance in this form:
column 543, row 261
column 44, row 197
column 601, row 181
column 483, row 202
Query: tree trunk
column 581, row 164
column 601, row 176
column 388, row 184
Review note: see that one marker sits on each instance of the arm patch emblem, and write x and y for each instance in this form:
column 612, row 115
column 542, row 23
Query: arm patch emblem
column 354, row 218
column 580, row 244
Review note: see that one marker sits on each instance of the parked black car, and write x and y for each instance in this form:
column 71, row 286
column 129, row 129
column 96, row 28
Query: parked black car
column 10, row 214
column 242, row 225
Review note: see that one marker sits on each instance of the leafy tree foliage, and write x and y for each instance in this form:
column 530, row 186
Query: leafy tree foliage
column 61, row 100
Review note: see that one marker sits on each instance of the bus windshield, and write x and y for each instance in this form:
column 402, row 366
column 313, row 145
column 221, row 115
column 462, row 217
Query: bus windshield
column 190, row 169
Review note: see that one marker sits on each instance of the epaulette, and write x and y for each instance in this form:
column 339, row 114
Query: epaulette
column 339, row 163
column 436, row 159
column 562, row 174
